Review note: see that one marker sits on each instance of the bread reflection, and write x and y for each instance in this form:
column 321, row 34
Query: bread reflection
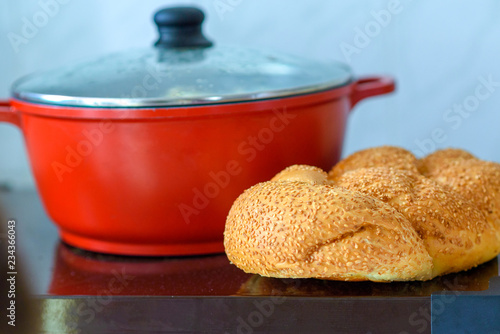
column 476, row 279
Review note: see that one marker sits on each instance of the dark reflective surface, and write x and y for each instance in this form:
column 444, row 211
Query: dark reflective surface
column 52, row 268
column 476, row 279
column 78, row 272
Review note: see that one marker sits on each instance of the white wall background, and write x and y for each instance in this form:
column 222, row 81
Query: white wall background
column 439, row 51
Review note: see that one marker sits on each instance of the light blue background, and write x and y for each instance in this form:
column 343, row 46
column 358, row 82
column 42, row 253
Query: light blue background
column 437, row 51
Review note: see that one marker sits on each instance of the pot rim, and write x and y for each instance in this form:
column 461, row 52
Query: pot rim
column 185, row 111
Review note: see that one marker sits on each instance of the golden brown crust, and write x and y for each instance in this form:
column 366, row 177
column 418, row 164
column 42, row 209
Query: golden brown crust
column 477, row 181
column 383, row 156
column 455, row 232
column 440, row 159
column 304, row 173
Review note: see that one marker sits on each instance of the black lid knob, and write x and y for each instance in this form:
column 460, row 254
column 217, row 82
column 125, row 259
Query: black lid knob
column 180, row 27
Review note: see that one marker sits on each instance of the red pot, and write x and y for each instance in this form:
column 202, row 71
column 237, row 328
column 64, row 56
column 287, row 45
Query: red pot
column 157, row 175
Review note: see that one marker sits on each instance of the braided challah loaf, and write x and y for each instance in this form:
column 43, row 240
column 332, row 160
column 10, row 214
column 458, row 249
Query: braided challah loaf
column 379, row 215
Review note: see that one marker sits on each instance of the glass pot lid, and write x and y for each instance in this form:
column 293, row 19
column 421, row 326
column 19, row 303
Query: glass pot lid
column 184, row 68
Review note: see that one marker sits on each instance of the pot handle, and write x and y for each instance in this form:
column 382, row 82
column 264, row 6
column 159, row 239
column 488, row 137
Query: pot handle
column 371, row 86
column 9, row 114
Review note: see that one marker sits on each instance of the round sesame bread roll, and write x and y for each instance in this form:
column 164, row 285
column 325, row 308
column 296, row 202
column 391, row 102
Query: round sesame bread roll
column 383, row 156
column 305, row 227
column 455, row 232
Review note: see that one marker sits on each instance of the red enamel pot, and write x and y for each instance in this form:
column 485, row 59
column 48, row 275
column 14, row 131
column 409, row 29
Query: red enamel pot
column 143, row 153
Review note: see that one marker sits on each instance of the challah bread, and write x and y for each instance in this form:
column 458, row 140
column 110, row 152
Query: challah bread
column 303, row 228
column 374, row 216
